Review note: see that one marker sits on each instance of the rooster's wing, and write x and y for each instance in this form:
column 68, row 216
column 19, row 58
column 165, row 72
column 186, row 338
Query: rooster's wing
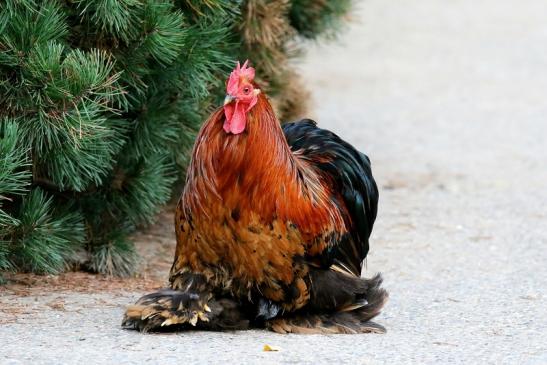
column 354, row 190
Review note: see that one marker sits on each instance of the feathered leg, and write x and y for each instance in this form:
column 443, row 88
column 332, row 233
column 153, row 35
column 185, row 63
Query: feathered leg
column 167, row 308
column 340, row 303
column 189, row 304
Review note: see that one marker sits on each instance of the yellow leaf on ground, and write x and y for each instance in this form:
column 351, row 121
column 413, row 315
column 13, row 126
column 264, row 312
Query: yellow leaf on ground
column 270, row 348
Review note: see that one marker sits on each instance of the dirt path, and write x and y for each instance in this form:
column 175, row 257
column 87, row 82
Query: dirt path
column 448, row 99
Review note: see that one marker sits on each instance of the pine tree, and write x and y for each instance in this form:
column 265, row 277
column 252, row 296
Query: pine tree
column 100, row 101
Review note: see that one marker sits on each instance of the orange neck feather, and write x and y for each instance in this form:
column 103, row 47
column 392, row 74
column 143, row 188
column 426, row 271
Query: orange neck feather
column 255, row 171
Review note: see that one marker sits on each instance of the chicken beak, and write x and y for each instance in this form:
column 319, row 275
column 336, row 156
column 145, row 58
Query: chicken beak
column 228, row 99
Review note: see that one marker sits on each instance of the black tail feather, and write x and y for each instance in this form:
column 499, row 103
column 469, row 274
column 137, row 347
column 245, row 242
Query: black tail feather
column 339, row 290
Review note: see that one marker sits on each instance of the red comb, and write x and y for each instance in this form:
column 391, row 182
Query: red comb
column 239, row 72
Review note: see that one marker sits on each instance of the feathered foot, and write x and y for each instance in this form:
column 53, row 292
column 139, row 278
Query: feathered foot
column 350, row 319
column 166, row 308
column 171, row 310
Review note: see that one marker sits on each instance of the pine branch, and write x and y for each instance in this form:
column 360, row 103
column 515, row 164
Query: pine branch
column 100, row 101
column 314, row 18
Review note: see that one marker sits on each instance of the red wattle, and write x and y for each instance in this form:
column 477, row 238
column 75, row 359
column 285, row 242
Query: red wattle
column 235, row 118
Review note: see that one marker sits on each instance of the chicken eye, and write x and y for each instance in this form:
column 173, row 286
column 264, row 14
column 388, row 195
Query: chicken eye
column 246, row 90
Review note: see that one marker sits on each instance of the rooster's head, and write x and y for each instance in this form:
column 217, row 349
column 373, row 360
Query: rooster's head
column 241, row 96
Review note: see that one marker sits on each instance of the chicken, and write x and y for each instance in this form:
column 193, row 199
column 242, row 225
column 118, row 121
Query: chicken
column 272, row 228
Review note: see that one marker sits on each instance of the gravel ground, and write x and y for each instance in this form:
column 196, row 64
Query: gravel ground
column 448, row 99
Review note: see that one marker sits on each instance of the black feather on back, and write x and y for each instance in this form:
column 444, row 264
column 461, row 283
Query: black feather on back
column 351, row 175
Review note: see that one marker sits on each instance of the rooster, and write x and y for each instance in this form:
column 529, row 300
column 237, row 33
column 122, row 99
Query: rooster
column 272, row 228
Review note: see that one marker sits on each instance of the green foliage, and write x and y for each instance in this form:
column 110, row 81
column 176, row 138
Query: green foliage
column 14, row 182
column 14, row 178
column 312, row 18
column 100, row 101
column 27, row 25
column 46, row 237
column 115, row 17
column 69, row 129
column 38, row 237
column 114, row 255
